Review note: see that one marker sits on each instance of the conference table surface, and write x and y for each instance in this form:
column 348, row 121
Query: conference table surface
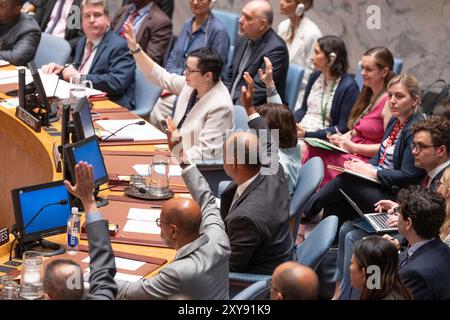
column 39, row 148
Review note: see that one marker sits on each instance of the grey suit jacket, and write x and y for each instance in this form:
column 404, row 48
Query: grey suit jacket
column 102, row 263
column 19, row 40
column 200, row 268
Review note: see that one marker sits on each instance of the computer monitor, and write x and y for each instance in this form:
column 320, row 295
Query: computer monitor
column 82, row 120
column 87, row 150
column 40, row 211
column 44, row 112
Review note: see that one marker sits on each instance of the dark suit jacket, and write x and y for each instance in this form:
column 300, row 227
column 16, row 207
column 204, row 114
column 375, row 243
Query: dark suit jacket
column 426, row 273
column 44, row 11
column 19, row 40
column 257, row 224
column 112, row 69
column 102, row 263
column 270, row 45
column 434, row 184
column 405, row 173
column 154, row 33
column 344, row 98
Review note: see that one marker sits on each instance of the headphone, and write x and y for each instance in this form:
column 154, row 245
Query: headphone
column 212, row 4
column 300, row 10
column 332, row 58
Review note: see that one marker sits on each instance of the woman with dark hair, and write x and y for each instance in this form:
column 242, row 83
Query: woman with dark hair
column 368, row 118
column 330, row 92
column 377, row 256
column 280, row 117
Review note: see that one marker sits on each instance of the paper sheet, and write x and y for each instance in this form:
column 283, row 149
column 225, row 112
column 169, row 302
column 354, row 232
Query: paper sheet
column 122, row 263
column 142, row 169
column 148, row 227
column 127, row 277
column 139, row 133
column 143, row 214
column 4, row 63
column 9, row 103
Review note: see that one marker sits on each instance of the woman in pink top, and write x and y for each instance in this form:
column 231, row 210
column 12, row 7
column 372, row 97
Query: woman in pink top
column 368, row 118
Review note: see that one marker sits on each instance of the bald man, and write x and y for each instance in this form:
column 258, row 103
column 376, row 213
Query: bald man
column 257, row 40
column 19, row 34
column 255, row 206
column 196, row 231
column 294, row 281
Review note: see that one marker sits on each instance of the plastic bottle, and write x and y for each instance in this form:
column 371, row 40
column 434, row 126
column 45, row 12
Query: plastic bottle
column 73, row 232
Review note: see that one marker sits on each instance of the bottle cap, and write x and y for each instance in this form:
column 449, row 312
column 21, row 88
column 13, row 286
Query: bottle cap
column 74, row 210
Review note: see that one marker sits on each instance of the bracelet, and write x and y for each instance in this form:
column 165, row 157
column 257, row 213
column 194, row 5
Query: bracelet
column 138, row 49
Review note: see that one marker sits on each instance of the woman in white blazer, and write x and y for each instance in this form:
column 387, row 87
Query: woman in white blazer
column 204, row 109
column 300, row 35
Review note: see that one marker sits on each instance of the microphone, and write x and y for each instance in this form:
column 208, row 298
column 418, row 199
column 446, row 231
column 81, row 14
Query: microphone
column 141, row 189
column 141, row 123
column 59, row 74
column 60, row 202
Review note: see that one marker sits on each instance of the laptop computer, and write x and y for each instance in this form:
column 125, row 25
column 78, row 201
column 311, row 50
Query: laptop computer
column 373, row 222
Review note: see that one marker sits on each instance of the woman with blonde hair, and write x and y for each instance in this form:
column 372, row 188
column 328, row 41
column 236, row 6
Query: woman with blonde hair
column 444, row 190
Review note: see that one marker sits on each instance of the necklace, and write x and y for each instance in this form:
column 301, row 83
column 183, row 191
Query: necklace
column 323, row 107
column 392, row 137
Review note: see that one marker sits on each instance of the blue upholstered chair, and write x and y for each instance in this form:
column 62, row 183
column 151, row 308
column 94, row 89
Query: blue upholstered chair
column 398, row 66
column 309, row 179
column 257, row 291
column 230, row 21
column 52, row 49
column 293, row 83
column 240, row 118
column 146, row 94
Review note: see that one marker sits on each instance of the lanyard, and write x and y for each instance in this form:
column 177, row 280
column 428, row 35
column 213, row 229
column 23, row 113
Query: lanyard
column 392, row 137
column 323, row 107
column 368, row 108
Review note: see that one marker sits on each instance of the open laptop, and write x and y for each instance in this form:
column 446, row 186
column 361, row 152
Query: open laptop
column 377, row 221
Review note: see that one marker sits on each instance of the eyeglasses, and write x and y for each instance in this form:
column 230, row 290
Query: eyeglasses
column 159, row 222
column 188, row 71
column 419, row 147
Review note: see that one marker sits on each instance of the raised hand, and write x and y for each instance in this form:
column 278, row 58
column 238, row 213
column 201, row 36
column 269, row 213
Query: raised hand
column 267, row 77
column 247, row 94
column 130, row 36
column 174, row 140
column 84, row 185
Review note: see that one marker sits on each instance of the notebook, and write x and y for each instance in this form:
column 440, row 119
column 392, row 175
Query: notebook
column 373, row 222
column 323, row 144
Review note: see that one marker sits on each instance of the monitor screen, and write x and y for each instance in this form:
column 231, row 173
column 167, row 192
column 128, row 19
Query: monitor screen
column 39, row 86
column 53, row 201
column 88, row 150
column 84, row 128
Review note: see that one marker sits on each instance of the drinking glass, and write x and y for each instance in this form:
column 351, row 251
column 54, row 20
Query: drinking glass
column 31, row 279
column 9, row 290
column 78, row 86
column 137, row 181
column 159, row 175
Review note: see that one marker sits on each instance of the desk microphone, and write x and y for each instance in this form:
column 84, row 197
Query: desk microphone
column 141, row 123
column 141, row 189
column 60, row 202
column 59, row 74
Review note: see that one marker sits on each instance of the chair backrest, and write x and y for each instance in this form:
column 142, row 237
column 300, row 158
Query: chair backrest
column 222, row 186
column 52, row 49
column 294, row 82
column 231, row 23
column 240, row 118
column 257, row 291
column 146, row 94
column 311, row 252
column 309, row 178
column 172, row 41
column 398, row 66
column 213, row 173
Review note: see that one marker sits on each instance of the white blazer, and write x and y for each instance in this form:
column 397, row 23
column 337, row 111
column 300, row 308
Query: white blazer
column 203, row 132
column 301, row 48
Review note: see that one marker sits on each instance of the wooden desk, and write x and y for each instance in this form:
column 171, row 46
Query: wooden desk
column 27, row 159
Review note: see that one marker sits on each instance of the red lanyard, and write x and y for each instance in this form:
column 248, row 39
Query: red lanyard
column 392, row 137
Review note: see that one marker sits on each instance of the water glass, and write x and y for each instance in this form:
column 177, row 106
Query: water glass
column 159, row 175
column 78, row 86
column 137, row 181
column 32, row 277
column 9, row 290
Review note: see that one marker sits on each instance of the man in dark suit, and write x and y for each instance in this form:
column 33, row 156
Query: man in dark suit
column 63, row 278
column 152, row 27
column 57, row 17
column 19, row 34
column 102, row 56
column 425, row 264
column 258, row 40
column 255, row 206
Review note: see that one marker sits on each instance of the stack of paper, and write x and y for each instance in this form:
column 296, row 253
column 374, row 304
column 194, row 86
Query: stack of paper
column 142, row 221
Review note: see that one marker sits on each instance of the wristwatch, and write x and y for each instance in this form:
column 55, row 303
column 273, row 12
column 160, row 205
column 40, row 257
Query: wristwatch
column 138, row 49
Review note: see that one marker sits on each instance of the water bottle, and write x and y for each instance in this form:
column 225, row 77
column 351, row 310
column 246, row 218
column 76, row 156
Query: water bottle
column 73, row 232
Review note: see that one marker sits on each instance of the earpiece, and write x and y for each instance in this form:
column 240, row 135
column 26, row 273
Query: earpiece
column 300, row 9
column 332, row 58
column 212, row 4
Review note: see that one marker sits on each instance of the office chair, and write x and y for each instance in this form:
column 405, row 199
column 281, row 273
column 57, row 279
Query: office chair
column 146, row 95
column 398, row 66
column 231, row 23
column 293, row 84
column 52, row 49
column 257, row 291
column 309, row 179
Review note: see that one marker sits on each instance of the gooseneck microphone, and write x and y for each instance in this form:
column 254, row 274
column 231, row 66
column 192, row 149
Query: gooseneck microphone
column 60, row 202
column 141, row 123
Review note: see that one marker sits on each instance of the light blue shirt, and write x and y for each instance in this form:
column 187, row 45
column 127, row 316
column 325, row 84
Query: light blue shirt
column 290, row 161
